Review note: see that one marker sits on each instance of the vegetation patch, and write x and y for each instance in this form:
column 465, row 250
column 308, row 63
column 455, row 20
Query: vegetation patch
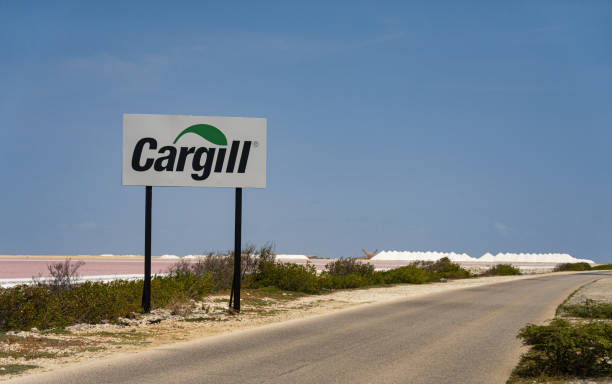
column 125, row 338
column 565, row 349
column 346, row 266
column 284, row 276
column 502, row 270
column 220, row 268
column 13, row 369
column 133, row 336
column 56, row 305
column 590, row 309
column 573, row 267
column 347, row 273
column 602, row 267
column 273, row 293
column 579, row 347
column 31, row 347
column 262, row 311
column 204, row 319
column 56, row 331
column 52, row 305
column 582, row 267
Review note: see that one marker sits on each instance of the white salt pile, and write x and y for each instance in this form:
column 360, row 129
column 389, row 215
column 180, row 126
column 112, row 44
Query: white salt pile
column 291, row 257
column 532, row 258
column 168, row 257
column 194, row 257
column 424, row 256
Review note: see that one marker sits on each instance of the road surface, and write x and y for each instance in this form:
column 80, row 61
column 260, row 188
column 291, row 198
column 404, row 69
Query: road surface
column 464, row 336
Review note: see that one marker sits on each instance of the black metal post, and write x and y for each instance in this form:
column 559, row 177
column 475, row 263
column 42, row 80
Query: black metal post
column 146, row 289
column 237, row 249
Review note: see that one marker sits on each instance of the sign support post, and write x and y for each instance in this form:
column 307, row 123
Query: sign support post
column 237, row 249
column 146, row 289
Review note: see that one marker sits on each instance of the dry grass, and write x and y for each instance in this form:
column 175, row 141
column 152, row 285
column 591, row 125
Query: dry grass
column 30, row 347
column 15, row 369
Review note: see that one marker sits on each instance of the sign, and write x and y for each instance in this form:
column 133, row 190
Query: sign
column 194, row 151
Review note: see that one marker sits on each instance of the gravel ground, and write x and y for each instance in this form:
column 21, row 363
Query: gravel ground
column 600, row 290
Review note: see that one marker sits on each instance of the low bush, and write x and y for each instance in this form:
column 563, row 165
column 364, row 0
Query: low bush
column 502, row 270
column 347, row 273
column 351, row 280
column 602, row 267
column 221, row 267
column 348, row 266
column 285, row 276
column 590, row 309
column 410, row 274
column 444, row 268
column 573, row 267
column 41, row 306
column 565, row 349
column 179, row 287
column 62, row 301
column 64, row 275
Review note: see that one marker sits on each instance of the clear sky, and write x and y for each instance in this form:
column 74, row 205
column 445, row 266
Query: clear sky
column 450, row 126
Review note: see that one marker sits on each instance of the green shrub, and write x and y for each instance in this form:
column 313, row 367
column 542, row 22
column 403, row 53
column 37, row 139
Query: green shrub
column 179, row 287
column 44, row 306
column 411, row 274
column 590, row 310
column 573, row 267
column 565, row 349
column 351, row 280
column 221, row 267
column 502, row 270
column 602, row 267
column 444, row 268
column 285, row 276
column 348, row 266
column 64, row 275
column 347, row 273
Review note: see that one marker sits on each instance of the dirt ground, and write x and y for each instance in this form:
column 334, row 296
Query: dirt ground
column 36, row 351
column 600, row 291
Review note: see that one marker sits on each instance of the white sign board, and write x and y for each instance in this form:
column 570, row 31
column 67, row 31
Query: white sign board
column 194, row 151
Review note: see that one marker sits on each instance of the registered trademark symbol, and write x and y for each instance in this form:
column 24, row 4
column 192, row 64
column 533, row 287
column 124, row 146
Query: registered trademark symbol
column 256, row 144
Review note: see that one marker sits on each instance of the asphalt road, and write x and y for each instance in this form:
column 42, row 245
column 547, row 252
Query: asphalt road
column 464, row 336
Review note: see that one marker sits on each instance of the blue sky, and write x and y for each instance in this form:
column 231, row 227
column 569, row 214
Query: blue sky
column 451, row 126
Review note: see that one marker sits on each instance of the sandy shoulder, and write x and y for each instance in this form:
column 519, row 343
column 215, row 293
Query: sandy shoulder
column 599, row 290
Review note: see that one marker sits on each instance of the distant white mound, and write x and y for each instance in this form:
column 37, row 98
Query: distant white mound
column 421, row 256
column 168, row 257
column 532, row 258
column 194, row 256
column 291, row 257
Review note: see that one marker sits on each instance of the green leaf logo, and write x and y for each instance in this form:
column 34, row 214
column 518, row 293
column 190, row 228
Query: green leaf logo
column 207, row 132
